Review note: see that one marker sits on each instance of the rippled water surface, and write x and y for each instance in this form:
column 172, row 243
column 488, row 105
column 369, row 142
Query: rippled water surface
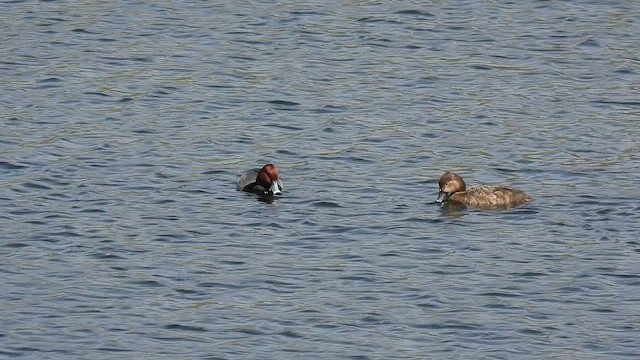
column 124, row 126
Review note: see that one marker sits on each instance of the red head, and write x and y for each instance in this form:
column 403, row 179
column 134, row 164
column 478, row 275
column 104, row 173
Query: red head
column 268, row 178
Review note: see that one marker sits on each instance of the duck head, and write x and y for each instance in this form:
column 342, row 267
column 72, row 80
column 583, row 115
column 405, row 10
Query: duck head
column 450, row 183
column 268, row 179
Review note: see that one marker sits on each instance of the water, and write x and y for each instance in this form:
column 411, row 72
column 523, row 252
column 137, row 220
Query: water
column 125, row 126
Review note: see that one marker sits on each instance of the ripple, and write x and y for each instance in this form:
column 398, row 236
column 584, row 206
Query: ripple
column 283, row 103
column 326, row 204
column 185, row 328
column 10, row 166
column 414, row 12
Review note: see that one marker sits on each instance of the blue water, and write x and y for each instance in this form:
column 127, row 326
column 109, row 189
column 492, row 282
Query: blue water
column 124, row 126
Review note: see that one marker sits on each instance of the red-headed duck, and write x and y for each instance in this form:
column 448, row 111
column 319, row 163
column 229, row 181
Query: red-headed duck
column 453, row 188
column 263, row 181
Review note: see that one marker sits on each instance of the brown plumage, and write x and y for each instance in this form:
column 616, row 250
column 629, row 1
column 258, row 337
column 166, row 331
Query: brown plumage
column 453, row 188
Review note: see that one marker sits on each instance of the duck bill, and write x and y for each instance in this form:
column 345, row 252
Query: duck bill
column 275, row 189
column 442, row 197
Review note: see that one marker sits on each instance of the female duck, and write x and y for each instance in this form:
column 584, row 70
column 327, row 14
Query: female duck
column 453, row 188
column 263, row 181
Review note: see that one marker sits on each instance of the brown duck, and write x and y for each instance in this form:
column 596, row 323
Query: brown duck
column 453, row 188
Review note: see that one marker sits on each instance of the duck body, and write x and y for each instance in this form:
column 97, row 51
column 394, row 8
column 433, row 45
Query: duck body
column 453, row 188
column 264, row 181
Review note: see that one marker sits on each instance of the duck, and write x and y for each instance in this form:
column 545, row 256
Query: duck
column 264, row 181
column 453, row 189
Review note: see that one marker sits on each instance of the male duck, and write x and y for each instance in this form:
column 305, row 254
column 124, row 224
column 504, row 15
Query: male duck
column 263, row 181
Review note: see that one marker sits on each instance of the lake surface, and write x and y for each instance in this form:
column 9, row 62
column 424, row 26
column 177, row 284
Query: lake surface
column 124, row 126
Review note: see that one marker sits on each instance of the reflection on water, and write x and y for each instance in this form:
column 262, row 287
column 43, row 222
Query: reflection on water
column 266, row 198
column 453, row 209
